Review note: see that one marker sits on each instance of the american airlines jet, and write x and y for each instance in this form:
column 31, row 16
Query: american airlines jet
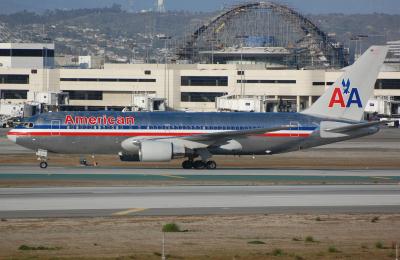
column 161, row 137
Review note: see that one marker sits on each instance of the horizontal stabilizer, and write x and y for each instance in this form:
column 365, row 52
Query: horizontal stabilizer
column 353, row 127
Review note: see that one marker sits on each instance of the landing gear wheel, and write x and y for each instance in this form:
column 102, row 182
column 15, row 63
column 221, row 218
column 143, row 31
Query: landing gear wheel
column 199, row 165
column 43, row 165
column 211, row 165
column 187, row 164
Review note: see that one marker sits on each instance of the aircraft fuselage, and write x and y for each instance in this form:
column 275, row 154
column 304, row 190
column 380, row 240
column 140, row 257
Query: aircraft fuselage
column 103, row 132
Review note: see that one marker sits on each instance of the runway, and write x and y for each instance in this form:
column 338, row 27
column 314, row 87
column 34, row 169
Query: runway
column 196, row 200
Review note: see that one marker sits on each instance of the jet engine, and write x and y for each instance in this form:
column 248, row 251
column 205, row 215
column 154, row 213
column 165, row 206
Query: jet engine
column 152, row 151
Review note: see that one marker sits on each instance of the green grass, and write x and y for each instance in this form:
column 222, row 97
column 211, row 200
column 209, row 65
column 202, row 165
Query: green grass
column 379, row 245
column 171, row 227
column 333, row 249
column 159, row 254
column 310, row 239
column 256, row 242
column 375, row 219
column 37, row 248
column 278, row 252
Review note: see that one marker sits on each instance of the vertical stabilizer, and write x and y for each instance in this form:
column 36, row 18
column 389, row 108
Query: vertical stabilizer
column 348, row 96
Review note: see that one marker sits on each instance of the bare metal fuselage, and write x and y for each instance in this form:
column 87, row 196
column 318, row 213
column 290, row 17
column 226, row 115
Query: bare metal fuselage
column 52, row 134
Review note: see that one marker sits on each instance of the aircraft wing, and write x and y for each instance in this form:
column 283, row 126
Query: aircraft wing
column 214, row 137
column 202, row 141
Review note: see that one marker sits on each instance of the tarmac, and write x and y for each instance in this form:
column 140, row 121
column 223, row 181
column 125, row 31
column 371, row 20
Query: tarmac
column 196, row 200
column 231, row 191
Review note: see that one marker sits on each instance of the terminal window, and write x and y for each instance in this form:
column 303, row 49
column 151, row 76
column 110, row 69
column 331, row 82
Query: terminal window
column 85, row 95
column 201, row 96
column 13, row 94
column 14, row 79
column 27, row 52
column 267, row 81
column 387, row 84
column 204, row 81
column 318, row 83
column 107, row 80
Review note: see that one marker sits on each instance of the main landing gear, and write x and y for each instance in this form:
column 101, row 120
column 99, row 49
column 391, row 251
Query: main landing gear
column 199, row 164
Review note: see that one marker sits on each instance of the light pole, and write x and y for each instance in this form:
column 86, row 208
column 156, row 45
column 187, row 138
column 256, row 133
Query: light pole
column 212, row 42
column 242, row 84
column 166, row 91
column 163, row 247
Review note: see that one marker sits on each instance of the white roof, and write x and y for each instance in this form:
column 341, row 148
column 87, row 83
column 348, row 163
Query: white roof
column 33, row 46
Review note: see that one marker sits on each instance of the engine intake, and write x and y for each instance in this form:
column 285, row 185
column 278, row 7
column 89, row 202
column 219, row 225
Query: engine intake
column 124, row 157
column 153, row 151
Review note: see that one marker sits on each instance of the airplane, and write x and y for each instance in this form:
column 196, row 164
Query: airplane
column 163, row 136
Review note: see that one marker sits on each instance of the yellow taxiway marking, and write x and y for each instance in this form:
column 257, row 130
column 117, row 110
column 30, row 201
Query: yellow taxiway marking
column 172, row 176
column 127, row 212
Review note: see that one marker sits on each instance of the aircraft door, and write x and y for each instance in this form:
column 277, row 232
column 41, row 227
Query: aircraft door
column 294, row 129
column 55, row 127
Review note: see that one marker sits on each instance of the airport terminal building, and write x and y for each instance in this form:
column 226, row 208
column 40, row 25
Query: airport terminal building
column 27, row 70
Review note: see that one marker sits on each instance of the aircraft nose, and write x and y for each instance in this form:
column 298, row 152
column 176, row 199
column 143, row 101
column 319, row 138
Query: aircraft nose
column 12, row 137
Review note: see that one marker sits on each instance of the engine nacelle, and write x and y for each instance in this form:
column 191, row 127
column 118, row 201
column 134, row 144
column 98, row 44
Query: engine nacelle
column 155, row 151
column 152, row 151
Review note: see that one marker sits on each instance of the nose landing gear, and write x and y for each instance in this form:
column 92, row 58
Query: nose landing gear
column 42, row 157
column 43, row 165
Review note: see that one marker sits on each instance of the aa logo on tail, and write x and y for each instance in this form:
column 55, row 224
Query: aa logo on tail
column 345, row 96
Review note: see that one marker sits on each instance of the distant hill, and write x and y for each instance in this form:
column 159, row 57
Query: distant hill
column 117, row 32
column 305, row 6
column 13, row 6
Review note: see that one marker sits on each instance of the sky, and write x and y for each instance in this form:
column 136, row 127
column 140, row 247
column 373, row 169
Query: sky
column 304, row 6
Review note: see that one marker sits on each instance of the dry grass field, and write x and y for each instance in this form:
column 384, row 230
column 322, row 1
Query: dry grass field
column 335, row 236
